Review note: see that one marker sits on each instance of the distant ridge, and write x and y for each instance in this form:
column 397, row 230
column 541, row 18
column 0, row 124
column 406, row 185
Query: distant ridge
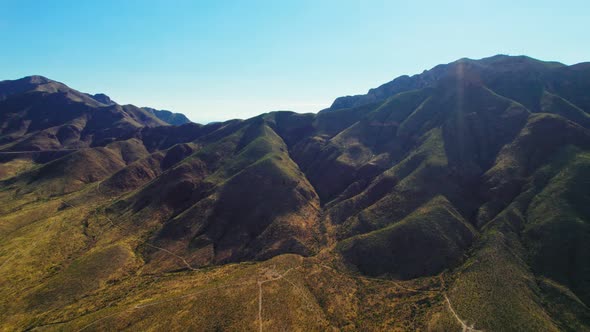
column 175, row 119
column 102, row 98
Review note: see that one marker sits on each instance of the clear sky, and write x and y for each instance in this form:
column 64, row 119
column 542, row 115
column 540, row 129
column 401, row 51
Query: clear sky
column 217, row 60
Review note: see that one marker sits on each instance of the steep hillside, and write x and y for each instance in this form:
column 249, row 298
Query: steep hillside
column 40, row 114
column 456, row 199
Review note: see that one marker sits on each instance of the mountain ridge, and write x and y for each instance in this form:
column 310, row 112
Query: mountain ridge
column 169, row 117
column 42, row 114
column 440, row 199
column 428, row 78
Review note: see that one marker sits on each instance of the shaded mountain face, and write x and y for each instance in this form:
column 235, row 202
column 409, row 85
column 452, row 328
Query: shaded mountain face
column 102, row 98
column 466, row 184
column 38, row 114
column 175, row 119
column 41, row 114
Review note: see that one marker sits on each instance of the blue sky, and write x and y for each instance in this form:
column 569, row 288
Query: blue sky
column 217, row 60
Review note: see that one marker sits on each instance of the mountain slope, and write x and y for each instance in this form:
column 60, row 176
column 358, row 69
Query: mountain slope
column 451, row 198
column 40, row 114
column 174, row 119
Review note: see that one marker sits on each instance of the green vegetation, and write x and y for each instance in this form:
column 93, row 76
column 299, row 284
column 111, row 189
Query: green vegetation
column 430, row 239
column 454, row 198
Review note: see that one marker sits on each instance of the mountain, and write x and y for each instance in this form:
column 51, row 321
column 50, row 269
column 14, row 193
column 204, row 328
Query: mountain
column 39, row 114
column 175, row 119
column 456, row 199
column 102, row 98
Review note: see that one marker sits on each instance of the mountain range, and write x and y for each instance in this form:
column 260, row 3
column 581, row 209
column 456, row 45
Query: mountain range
column 454, row 199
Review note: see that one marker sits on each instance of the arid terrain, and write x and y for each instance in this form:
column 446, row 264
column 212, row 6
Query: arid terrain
column 455, row 199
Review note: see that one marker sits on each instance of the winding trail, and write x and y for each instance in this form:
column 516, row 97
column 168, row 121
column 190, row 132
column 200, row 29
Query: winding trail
column 184, row 261
column 301, row 292
column 270, row 275
column 190, row 267
column 397, row 284
column 169, row 299
column 464, row 326
column 273, row 276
